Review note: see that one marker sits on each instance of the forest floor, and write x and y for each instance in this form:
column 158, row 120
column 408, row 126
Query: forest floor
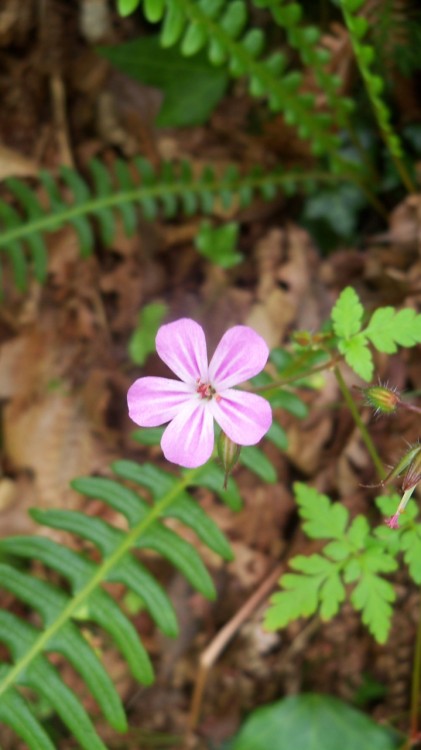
column 65, row 371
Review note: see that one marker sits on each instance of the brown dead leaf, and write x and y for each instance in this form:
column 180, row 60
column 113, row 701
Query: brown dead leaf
column 51, row 438
column 14, row 164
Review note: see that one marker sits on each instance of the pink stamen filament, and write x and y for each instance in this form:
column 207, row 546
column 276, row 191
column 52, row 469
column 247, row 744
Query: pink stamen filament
column 206, row 390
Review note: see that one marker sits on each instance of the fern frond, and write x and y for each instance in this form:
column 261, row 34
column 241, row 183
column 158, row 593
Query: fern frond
column 305, row 40
column 395, row 28
column 222, row 28
column 365, row 56
column 60, row 612
column 169, row 191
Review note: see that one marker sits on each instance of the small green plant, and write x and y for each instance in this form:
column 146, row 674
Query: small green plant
column 354, row 554
column 357, row 555
column 316, row 722
column 355, row 561
column 63, row 612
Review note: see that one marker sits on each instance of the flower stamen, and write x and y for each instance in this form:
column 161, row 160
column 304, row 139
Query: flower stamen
column 206, row 390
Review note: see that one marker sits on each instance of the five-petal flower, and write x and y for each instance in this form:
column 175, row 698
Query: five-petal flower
column 204, row 392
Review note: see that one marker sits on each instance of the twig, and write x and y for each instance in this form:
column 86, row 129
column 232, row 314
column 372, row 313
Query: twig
column 221, row 640
column 58, row 96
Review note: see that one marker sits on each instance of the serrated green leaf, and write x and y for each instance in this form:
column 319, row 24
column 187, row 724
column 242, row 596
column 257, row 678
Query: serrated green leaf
column 372, row 597
column 358, row 531
column 338, row 551
column 332, row 594
column 322, row 518
column 218, row 244
column 358, row 356
column 314, row 565
column 347, row 314
column 410, row 544
column 388, row 328
column 298, row 599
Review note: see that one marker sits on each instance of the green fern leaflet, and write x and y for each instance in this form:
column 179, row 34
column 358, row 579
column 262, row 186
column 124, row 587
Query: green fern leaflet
column 86, row 602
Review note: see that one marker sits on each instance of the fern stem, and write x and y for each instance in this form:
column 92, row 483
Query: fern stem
column 56, row 219
column 77, row 601
column 371, row 448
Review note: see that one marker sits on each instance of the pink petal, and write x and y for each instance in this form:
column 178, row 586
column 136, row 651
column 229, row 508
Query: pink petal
column 182, row 346
column 154, row 401
column 243, row 416
column 240, row 354
column 188, row 440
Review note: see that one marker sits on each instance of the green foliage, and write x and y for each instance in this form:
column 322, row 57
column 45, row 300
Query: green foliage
column 313, row 722
column 365, row 56
column 353, row 555
column 218, row 244
column 222, row 29
column 60, row 612
column 347, row 313
column 255, row 460
column 125, row 7
column 407, row 538
column 251, row 457
column 395, row 31
column 385, row 330
column 192, row 87
column 142, row 341
column 171, row 190
column 336, row 209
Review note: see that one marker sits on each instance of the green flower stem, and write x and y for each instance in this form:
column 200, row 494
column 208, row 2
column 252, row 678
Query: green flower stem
column 329, row 365
column 360, row 424
column 415, row 689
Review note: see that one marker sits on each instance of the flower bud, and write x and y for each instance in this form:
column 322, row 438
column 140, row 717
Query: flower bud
column 383, row 399
column 413, row 474
column 228, row 452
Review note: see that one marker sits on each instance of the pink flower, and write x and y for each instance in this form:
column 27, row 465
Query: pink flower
column 203, row 393
column 393, row 521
